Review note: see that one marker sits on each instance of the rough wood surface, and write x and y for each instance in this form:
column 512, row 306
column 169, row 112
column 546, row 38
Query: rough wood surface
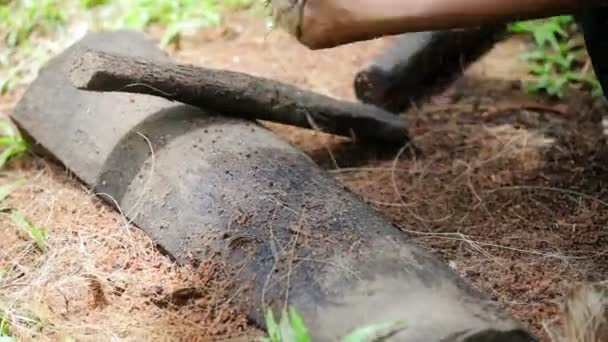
column 421, row 64
column 236, row 94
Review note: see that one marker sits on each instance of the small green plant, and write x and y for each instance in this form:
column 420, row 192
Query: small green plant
column 175, row 16
column 20, row 21
column 5, row 331
column 11, row 143
column 24, row 23
column 36, row 233
column 291, row 328
column 557, row 60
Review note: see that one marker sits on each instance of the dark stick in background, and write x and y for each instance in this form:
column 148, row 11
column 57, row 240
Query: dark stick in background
column 422, row 64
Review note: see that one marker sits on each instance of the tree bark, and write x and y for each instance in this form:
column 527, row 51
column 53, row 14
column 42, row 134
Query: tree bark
column 419, row 65
column 236, row 94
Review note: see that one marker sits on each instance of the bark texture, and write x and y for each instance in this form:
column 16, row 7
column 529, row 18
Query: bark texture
column 236, row 94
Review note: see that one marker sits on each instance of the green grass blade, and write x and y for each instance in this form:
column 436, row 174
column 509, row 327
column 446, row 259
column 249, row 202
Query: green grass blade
column 37, row 234
column 299, row 328
column 287, row 333
column 11, row 151
column 7, row 129
column 365, row 334
column 5, row 330
column 6, row 155
column 12, row 142
column 6, row 190
column 272, row 327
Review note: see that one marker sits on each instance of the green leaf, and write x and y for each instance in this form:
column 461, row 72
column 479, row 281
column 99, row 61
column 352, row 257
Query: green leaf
column 272, row 327
column 88, row 4
column 299, row 328
column 36, row 233
column 5, row 330
column 12, row 142
column 7, row 129
column 6, row 190
column 287, row 333
column 521, row 27
column 170, row 34
column 10, row 152
column 372, row 331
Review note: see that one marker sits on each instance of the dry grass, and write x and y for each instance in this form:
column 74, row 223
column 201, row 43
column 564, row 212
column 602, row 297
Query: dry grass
column 584, row 315
column 514, row 202
column 99, row 279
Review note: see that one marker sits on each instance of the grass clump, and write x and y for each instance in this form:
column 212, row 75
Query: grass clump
column 176, row 16
column 557, row 59
column 21, row 23
column 12, row 145
column 31, row 31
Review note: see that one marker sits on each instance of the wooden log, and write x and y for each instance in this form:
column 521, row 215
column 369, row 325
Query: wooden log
column 236, row 94
column 205, row 186
column 421, row 64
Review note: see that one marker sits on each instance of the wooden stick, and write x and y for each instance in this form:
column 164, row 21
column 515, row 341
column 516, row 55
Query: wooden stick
column 235, row 94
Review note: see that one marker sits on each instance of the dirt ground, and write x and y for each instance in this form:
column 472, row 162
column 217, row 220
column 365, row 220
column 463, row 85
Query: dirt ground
column 507, row 188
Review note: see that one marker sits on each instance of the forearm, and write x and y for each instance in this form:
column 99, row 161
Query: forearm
column 328, row 23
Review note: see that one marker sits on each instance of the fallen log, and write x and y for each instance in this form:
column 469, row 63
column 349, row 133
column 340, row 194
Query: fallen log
column 419, row 65
column 205, row 186
column 236, row 94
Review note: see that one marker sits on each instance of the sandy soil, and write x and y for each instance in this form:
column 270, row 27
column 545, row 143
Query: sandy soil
column 510, row 195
